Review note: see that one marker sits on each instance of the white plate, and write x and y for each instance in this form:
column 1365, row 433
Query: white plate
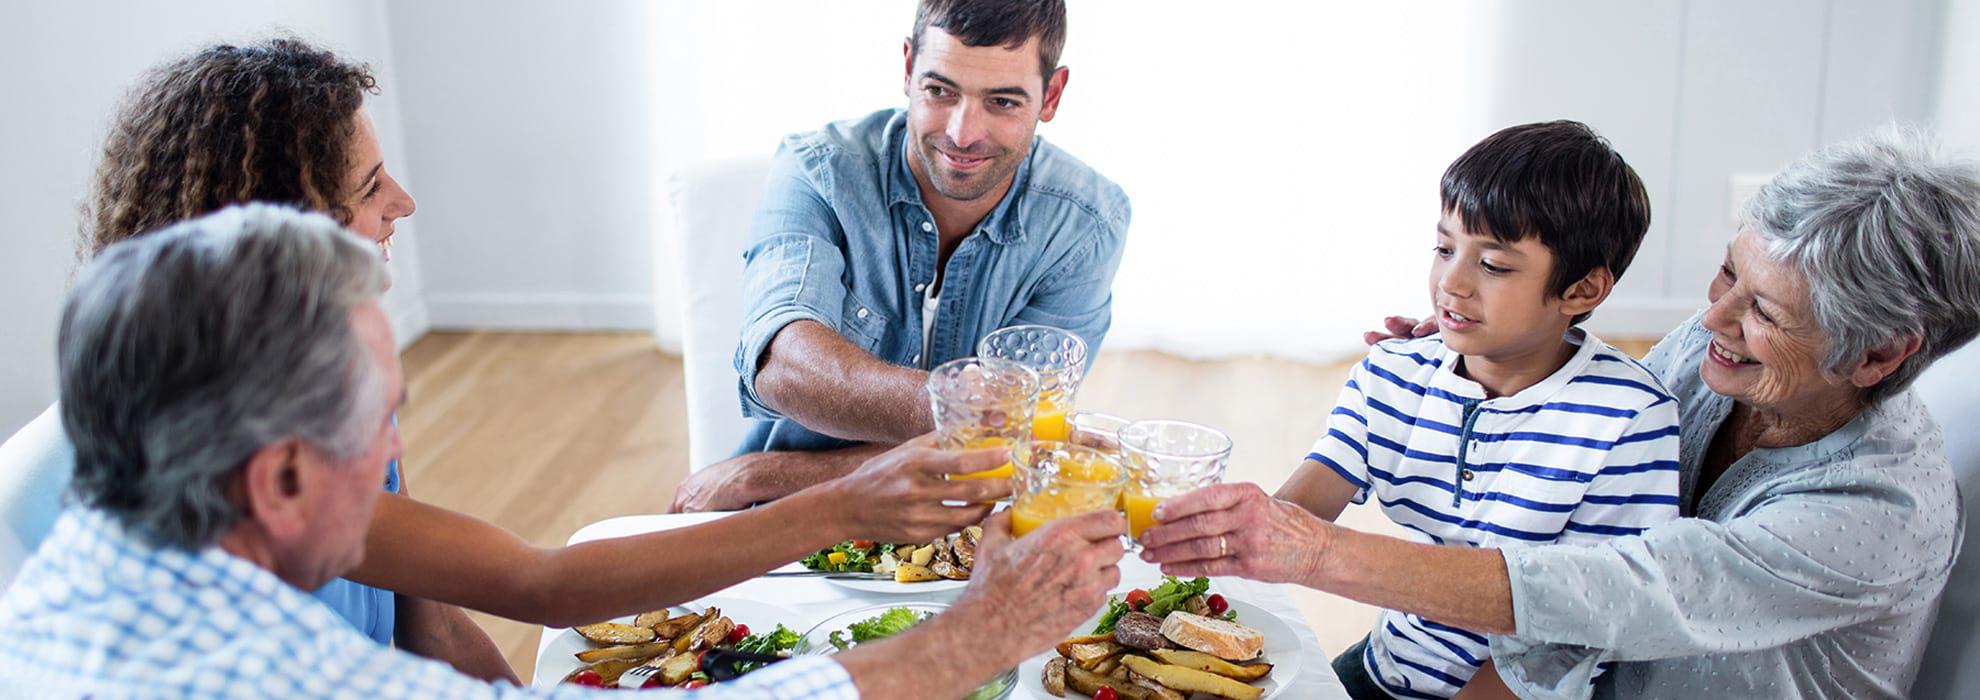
column 896, row 587
column 1282, row 649
column 559, row 657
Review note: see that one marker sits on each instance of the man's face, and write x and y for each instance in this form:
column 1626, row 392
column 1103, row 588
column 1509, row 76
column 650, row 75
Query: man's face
column 340, row 497
column 972, row 111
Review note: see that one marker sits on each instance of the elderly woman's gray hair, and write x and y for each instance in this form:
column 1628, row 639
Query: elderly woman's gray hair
column 185, row 350
column 1886, row 231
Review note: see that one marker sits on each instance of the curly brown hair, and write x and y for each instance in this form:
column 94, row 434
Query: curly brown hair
column 268, row 122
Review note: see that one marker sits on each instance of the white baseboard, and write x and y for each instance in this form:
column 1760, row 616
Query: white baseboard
column 409, row 323
column 1641, row 318
column 540, row 312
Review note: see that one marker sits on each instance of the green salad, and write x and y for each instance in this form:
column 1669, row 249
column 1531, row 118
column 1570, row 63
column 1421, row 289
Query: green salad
column 1174, row 594
column 850, row 555
column 895, row 621
column 777, row 642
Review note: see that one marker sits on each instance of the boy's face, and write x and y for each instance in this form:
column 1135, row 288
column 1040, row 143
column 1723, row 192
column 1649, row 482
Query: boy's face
column 1491, row 297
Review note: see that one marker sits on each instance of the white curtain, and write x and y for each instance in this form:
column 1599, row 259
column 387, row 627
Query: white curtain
column 1282, row 157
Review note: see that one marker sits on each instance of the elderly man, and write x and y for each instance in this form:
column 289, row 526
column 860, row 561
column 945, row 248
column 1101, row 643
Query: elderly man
column 228, row 384
column 889, row 244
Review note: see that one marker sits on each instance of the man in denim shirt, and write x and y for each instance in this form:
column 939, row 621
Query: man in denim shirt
column 889, row 244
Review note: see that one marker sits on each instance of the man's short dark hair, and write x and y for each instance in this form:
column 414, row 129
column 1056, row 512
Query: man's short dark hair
column 1006, row 23
column 1557, row 180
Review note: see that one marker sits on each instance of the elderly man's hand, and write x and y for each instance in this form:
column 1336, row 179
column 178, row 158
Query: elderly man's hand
column 1031, row 591
column 898, row 495
column 1237, row 530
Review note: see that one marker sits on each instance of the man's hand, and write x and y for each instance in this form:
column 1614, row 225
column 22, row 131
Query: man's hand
column 898, row 496
column 1400, row 327
column 1032, row 591
column 1237, row 530
column 723, row 485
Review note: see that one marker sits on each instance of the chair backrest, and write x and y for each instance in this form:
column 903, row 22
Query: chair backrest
column 35, row 466
column 713, row 205
column 1951, row 667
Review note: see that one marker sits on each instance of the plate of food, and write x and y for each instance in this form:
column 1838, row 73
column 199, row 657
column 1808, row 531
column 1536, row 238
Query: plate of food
column 1174, row 641
column 672, row 640
column 858, row 626
column 942, row 564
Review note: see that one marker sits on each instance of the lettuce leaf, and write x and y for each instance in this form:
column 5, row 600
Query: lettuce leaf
column 887, row 624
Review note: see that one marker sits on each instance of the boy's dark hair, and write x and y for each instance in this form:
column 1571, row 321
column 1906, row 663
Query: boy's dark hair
column 1560, row 181
column 1006, row 23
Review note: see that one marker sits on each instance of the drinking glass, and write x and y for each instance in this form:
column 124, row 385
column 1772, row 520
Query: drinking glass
column 1059, row 358
column 1059, row 480
column 1167, row 458
column 982, row 402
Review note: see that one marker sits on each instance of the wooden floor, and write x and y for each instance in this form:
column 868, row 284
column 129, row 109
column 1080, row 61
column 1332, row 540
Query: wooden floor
column 545, row 433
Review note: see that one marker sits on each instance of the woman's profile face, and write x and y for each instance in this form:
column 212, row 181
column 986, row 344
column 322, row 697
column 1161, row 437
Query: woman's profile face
column 1766, row 346
column 376, row 199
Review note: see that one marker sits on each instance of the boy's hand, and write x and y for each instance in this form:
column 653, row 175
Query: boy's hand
column 1400, row 327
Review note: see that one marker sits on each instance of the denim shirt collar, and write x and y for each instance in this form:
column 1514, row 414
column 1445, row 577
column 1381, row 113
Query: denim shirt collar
column 1003, row 226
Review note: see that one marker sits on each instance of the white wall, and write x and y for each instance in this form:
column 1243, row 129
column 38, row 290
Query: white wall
column 67, row 66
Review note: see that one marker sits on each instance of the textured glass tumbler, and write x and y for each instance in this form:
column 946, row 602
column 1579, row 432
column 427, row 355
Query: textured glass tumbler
column 983, row 402
column 1168, row 458
column 1059, row 358
column 1059, row 480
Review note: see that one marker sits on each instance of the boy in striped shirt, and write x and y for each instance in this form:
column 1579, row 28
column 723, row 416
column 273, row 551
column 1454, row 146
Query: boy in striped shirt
column 1512, row 426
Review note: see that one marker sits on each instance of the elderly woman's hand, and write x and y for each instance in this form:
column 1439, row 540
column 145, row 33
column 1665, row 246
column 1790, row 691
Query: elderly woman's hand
column 1237, row 530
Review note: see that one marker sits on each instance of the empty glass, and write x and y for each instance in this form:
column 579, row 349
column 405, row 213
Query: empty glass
column 1167, row 458
column 1059, row 358
column 1059, row 479
column 982, row 402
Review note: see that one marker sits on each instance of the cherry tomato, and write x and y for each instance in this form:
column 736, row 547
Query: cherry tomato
column 1138, row 599
column 1217, row 604
column 863, row 544
column 652, row 682
column 741, row 631
column 1106, row 693
column 588, row 678
column 691, row 685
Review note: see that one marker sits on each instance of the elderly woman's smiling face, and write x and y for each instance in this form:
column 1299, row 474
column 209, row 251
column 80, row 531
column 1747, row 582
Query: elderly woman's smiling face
column 1766, row 346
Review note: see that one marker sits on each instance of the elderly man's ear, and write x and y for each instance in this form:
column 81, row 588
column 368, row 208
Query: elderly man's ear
column 272, row 491
column 1882, row 360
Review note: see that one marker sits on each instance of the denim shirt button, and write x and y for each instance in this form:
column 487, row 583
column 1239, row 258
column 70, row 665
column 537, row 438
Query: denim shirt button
column 863, row 312
column 919, row 287
column 916, row 359
column 926, row 226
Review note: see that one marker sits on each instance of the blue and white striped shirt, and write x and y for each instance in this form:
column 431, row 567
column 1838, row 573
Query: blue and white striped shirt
column 1588, row 453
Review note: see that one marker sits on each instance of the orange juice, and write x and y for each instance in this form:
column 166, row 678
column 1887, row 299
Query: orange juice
column 1140, row 508
column 1036, row 509
column 999, row 472
column 1050, row 423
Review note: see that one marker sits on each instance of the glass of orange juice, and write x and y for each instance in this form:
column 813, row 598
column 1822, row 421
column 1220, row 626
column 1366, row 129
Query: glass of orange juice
column 1167, row 458
column 1060, row 479
column 1059, row 358
column 983, row 402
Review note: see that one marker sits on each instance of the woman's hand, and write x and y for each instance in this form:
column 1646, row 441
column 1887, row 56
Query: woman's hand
column 1237, row 530
column 899, row 495
column 1400, row 327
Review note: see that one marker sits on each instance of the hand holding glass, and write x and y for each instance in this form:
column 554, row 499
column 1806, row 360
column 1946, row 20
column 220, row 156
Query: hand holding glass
column 982, row 402
column 1167, row 458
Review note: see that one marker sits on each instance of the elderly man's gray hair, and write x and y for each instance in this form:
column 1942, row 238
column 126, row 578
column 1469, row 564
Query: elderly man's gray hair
column 1886, row 231
column 185, row 350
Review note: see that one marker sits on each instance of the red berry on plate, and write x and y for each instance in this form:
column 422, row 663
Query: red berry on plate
column 1138, row 599
column 691, row 685
column 740, row 633
column 862, row 544
column 1106, row 693
column 1217, row 604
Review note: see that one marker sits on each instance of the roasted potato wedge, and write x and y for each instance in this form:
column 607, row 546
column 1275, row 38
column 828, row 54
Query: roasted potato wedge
column 1108, row 666
column 1211, row 664
column 628, row 651
column 613, row 633
column 1087, row 683
column 1189, row 680
column 712, row 621
column 943, row 553
column 1065, row 647
column 1155, row 690
column 674, row 627
column 1087, row 656
column 915, row 573
column 953, row 572
column 922, row 555
column 965, row 549
column 649, row 619
column 1055, row 677
column 676, row 669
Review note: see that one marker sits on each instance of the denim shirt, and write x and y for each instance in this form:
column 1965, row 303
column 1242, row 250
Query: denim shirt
column 844, row 239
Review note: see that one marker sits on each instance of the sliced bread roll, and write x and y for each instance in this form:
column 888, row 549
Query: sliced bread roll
column 1220, row 638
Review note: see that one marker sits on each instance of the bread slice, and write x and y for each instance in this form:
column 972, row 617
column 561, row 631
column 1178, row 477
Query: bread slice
column 1220, row 638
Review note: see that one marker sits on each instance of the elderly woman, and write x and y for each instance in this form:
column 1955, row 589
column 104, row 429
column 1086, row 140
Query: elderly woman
column 1822, row 515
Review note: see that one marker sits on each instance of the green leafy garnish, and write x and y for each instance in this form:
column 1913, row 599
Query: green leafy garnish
column 781, row 640
column 859, row 559
column 887, row 624
column 1164, row 599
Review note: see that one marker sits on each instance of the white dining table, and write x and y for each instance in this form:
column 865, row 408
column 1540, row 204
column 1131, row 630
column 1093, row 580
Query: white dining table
column 814, row 600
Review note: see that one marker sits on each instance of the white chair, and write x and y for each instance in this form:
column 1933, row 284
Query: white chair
column 713, row 205
column 1951, row 667
column 35, row 466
